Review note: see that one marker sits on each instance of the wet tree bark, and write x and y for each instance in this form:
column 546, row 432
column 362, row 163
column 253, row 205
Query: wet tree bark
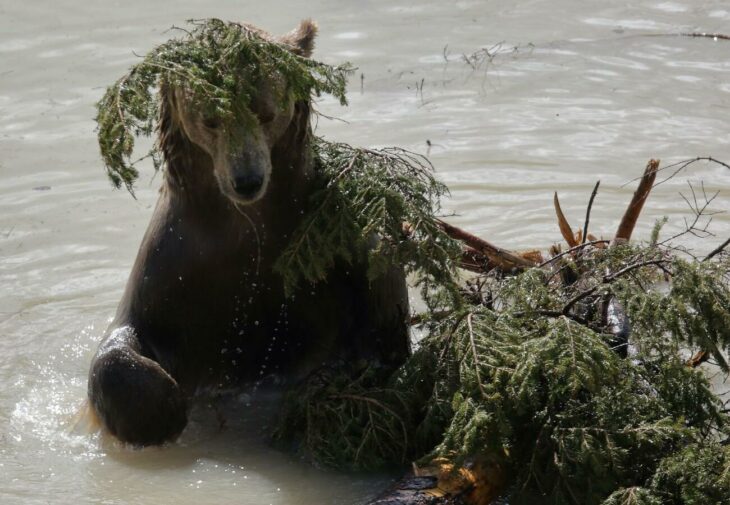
column 412, row 490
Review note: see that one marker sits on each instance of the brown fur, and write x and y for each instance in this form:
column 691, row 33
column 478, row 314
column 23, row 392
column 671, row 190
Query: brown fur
column 203, row 307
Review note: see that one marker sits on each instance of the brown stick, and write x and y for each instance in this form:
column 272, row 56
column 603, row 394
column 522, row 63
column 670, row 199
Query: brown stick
column 717, row 250
column 588, row 213
column 502, row 257
column 628, row 221
column 714, row 36
column 565, row 228
column 607, row 279
column 556, row 254
column 699, row 358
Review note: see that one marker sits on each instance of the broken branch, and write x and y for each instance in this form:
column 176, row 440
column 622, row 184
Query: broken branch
column 565, row 228
column 502, row 257
column 631, row 216
column 588, row 212
column 717, row 250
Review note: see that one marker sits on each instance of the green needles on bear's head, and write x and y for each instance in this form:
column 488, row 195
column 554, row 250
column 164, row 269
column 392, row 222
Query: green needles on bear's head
column 218, row 65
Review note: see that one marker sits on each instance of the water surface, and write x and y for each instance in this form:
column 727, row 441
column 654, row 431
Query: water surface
column 576, row 92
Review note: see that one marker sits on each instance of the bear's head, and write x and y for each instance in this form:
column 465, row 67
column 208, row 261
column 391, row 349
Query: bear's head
column 243, row 170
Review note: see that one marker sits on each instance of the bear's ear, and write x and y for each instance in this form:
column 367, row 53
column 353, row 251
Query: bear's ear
column 301, row 38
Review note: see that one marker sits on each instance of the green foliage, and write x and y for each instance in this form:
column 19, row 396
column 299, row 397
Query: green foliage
column 366, row 198
column 520, row 379
column 348, row 419
column 696, row 475
column 526, row 371
column 694, row 312
column 541, row 387
column 219, row 67
column 633, row 496
column 366, row 194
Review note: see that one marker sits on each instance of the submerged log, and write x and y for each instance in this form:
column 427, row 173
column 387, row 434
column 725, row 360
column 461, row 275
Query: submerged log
column 441, row 483
column 413, row 490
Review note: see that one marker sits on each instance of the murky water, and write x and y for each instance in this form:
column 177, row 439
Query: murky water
column 577, row 93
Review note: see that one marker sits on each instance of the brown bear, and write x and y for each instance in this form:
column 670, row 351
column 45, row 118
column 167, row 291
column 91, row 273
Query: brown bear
column 203, row 306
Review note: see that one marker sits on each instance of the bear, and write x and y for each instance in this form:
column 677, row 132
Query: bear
column 203, row 306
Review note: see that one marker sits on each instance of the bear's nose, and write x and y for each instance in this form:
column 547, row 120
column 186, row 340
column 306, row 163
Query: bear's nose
column 248, row 185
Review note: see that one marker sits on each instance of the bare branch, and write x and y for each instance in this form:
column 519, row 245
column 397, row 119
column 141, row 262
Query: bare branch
column 717, row 250
column 608, row 279
column 502, row 257
column 572, row 250
column 631, row 216
column 565, row 228
column 699, row 210
column 588, row 212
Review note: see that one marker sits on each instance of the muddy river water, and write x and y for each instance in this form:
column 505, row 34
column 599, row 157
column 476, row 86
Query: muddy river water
column 574, row 91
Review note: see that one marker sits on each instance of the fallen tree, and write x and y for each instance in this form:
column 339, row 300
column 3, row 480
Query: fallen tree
column 568, row 378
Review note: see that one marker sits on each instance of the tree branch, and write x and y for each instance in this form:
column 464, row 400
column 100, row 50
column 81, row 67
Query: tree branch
column 502, row 257
column 588, row 212
column 565, row 228
column 717, row 250
column 628, row 221
column 608, row 279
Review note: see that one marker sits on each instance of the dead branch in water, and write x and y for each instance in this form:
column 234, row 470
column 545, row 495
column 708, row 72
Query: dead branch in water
column 694, row 35
column 475, row 261
column 631, row 216
column 717, row 250
column 480, row 256
column 502, row 257
column 588, row 212
column 714, row 36
column 697, row 228
column 681, row 165
column 698, row 358
column 565, row 228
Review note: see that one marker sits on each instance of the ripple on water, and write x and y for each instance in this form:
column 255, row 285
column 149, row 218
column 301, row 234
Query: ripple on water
column 634, row 24
column 46, row 415
column 591, row 100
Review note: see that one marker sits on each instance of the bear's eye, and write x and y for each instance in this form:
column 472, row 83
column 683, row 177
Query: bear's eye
column 264, row 110
column 212, row 122
column 265, row 116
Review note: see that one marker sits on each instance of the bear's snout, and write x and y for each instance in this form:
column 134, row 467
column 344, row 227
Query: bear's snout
column 248, row 185
column 246, row 174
